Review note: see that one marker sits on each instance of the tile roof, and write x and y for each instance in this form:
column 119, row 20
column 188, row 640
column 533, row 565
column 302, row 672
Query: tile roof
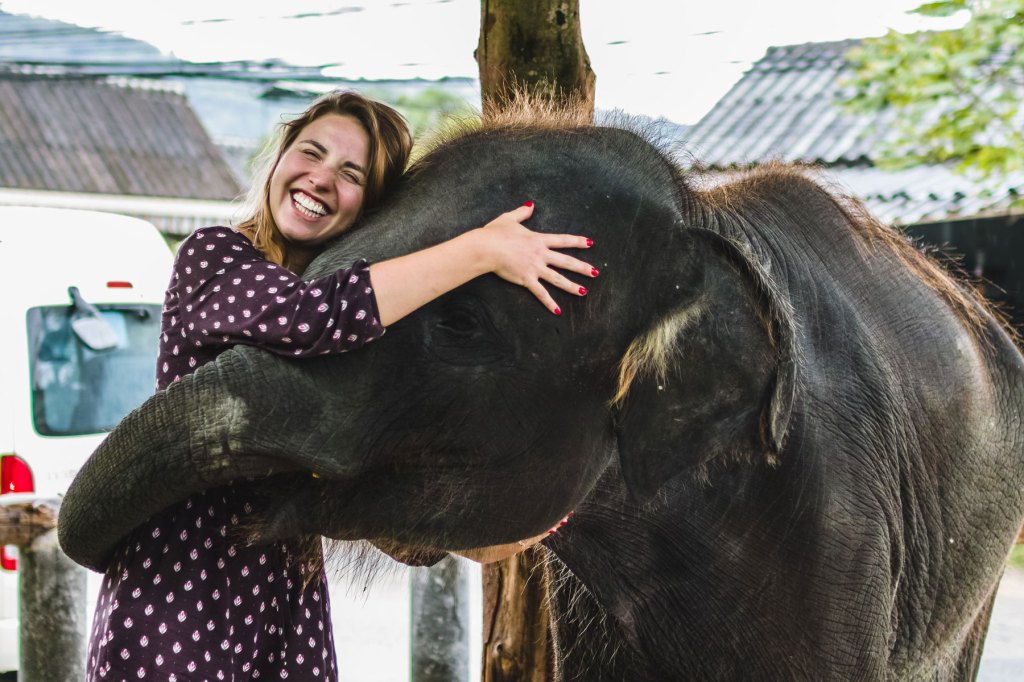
column 106, row 135
column 785, row 108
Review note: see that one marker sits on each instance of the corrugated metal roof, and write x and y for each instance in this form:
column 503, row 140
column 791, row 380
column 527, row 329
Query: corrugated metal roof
column 786, row 108
column 31, row 38
column 925, row 194
column 112, row 136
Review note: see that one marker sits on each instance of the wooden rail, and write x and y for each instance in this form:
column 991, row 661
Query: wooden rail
column 23, row 521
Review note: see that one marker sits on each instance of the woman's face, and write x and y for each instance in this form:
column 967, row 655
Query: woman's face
column 316, row 189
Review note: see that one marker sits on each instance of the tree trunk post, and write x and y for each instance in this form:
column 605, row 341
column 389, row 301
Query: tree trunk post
column 517, row 643
column 440, row 622
column 534, row 46
column 51, row 593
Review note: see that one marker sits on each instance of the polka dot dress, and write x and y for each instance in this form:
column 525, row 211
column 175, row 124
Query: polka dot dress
column 183, row 599
column 182, row 602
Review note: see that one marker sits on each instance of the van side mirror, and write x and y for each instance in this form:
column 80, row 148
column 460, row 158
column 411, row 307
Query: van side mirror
column 88, row 324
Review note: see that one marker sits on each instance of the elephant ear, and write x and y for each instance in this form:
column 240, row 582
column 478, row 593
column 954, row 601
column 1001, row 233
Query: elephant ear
column 713, row 377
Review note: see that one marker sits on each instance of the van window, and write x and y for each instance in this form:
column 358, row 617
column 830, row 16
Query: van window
column 76, row 390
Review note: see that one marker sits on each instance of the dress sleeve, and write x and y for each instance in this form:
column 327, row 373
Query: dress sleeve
column 229, row 294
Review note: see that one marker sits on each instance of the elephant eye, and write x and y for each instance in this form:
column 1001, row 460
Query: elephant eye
column 463, row 333
column 459, row 323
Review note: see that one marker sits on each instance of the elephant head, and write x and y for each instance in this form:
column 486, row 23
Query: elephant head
column 480, row 419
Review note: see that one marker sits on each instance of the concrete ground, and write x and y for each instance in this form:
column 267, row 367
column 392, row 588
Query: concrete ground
column 371, row 627
column 1003, row 658
column 372, row 630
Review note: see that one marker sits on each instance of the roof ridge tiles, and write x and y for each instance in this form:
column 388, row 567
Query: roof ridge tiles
column 147, row 84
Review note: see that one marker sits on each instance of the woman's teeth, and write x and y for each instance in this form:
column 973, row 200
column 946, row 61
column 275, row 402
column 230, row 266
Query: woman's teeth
column 308, row 206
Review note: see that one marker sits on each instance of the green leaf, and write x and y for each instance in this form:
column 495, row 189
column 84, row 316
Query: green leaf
column 958, row 93
column 941, row 8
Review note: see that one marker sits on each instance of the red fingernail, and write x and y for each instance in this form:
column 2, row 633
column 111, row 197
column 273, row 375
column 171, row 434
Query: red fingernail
column 569, row 514
column 551, row 532
column 594, row 272
column 590, row 242
column 583, row 291
column 528, row 204
column 561, row 523
column 558, row 311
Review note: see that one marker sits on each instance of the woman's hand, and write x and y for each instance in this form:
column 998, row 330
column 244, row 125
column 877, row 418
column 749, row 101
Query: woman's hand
column 503, row 246
column 527, row 258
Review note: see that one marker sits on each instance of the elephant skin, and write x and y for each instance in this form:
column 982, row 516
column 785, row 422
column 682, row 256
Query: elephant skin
column 792, row 443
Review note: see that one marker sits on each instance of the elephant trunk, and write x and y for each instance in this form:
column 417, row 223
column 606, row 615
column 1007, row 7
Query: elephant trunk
column 196, row 435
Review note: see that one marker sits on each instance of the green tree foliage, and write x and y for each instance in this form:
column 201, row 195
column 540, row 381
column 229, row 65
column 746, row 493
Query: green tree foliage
column 427, row 109
column 1017, row 557
column 958, row 92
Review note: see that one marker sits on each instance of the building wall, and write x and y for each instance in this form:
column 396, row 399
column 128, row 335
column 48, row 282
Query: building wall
column 990, row 251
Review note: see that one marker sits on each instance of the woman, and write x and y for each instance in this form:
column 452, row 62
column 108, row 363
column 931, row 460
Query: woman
column 183, row 599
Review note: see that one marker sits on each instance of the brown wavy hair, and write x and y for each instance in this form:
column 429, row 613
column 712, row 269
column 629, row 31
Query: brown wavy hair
column 390, row 146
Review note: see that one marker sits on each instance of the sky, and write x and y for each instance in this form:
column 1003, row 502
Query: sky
column 660, row 58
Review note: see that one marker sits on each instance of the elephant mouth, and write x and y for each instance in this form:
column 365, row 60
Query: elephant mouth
column 410, row 555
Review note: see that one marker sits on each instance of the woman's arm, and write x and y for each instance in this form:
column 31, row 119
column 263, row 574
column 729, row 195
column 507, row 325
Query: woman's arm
column 503, row 246
column 224, row 292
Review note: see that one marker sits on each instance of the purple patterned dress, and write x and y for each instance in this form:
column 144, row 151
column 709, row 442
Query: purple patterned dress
column 182, row 600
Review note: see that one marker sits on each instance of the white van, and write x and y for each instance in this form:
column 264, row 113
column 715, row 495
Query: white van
column 80, row 300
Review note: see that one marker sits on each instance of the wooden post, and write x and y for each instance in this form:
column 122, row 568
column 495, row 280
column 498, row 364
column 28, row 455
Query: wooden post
column 536, row 46
column 517, row 634
column 53, row 619
column 51, row 591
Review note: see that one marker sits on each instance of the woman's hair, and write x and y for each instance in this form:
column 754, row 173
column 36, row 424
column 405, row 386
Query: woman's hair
column 390, row 145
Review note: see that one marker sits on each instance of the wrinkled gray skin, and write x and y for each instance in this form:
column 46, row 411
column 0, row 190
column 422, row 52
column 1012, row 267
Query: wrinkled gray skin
column 823, row 483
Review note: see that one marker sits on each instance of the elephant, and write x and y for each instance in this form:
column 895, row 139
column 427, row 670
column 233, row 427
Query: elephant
column 791, row 441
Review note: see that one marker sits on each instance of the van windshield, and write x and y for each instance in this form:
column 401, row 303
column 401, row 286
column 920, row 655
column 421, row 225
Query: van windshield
column 76, row 390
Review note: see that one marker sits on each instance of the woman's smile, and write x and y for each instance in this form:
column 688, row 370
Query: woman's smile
column 308, row 206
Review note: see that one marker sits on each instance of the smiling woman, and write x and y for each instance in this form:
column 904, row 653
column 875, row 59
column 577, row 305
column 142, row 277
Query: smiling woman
column 317, row 190
column 328, row 166
column 187, row 582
